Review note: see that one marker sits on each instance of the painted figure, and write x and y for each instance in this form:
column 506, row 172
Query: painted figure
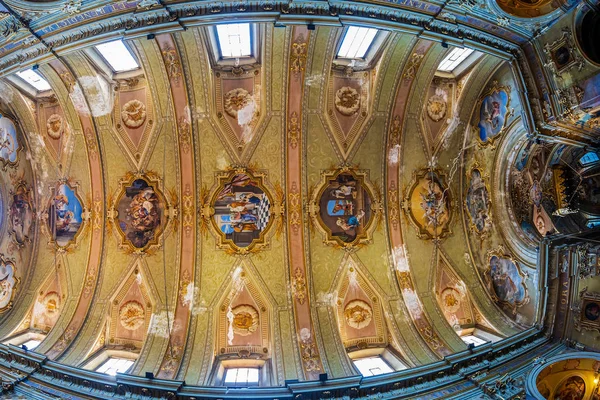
column 478, row 202
column 140, row 213
column 491, row 114
column 571, row 389
column 8, row 140
column 7, row 284
column 66, row 211
column 21, row 214
column 506, row 280
column 344, row 207
column 242, row 210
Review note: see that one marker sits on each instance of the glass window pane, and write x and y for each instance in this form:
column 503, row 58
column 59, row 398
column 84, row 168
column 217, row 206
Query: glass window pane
column 589, row 158
column 114, row 365
column 371, row 366
column 356, row 42
column 118, row 56
column 242, row 376
column 34, row 79
column 452, row 60
column 31, row 344
column 234, row 40
column 473, row 339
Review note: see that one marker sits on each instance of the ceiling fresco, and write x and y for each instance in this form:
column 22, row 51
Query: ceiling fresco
column 290, row 210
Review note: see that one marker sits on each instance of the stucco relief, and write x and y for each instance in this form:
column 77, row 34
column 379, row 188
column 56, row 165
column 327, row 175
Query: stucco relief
column 244, row 319
column 347, row 100
column 55, row 126
column 358, row 314
column 133, row 113
column 132, row 315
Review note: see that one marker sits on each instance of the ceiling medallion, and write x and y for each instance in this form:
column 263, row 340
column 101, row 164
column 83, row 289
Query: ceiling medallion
column 242, row 210
column 505, row 280
column 8, row 283
column 140, row 212
column 244, row 320
column 436, row 108
column 65, row 214
column 132, row 315
column 493, row 113
column 345, row 206
column 358, row 314
column 51, row 303
column 235, row 100
column 9, row 145
column 451, row 300
column 133, row 114
column 478, row 203
column 55, row 126
column 428, row 204
column 347, row 100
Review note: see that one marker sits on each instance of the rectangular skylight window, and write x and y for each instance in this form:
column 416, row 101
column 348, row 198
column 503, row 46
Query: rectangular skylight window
column 234, row 40
column 241, row 376
column 118, row 56
column 114, row 365
column 31, row 344
column 356, row 42
column 452, row 60
column 589, row 158
column 371, row 366
column 34, row 79
column 473, row 339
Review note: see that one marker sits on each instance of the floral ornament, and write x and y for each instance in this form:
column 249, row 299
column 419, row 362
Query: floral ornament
column 55, row 126
column 235, row 100
column 245, row 320
column 358, row 314
column 131, row 315
column 436, row 107
column 451, row 300
column 347, row 100
column 51, row 303
column 133, row 114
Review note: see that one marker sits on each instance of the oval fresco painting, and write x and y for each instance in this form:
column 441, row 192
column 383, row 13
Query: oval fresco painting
column 242, row 210
column 7, row 284
column 9, row 146
column 478, row 202
column 492, row 114
column 429, row 204
column 20, row 213
column 140, row 213
column 64, row 215
column 573, row 388
column 507, row 283
column 345, row 207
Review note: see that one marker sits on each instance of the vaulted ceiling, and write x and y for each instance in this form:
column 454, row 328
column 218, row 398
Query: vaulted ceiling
column 290, row 208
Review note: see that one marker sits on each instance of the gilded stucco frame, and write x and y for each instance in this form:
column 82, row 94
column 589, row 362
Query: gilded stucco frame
column 418, row 176
column 362, row 177
column 495, row 88
column 85, row 214
column 169, row 211
column 500, row 252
